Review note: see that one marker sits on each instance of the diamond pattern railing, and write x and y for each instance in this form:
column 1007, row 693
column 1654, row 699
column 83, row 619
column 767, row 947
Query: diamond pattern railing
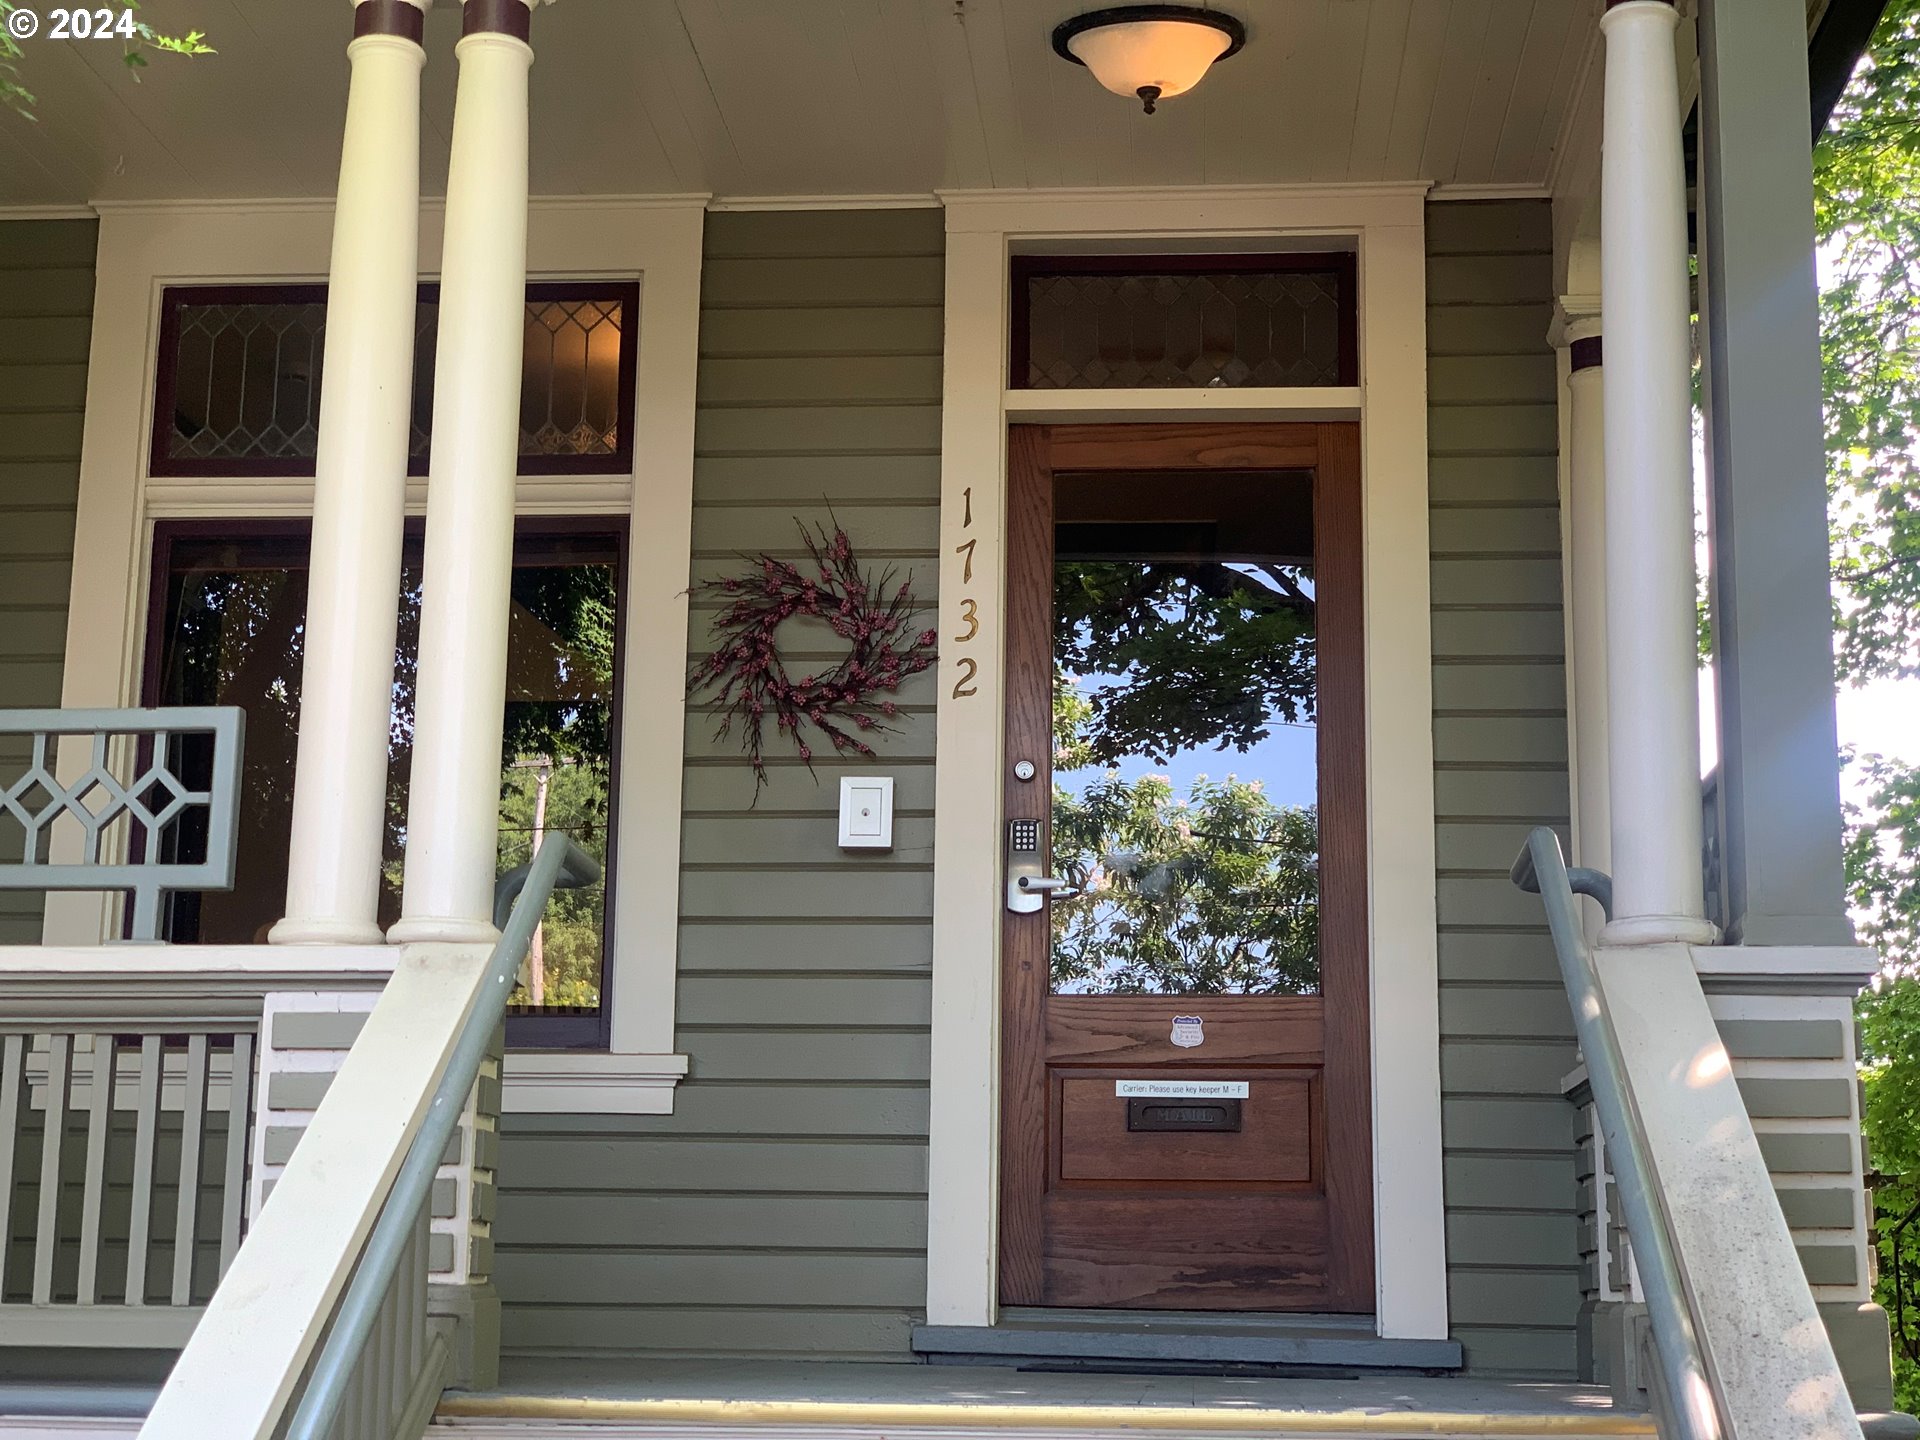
column 156, row 808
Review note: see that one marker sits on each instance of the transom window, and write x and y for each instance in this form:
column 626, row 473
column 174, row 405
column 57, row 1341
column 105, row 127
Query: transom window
column 238, row 388
column 1183, row 322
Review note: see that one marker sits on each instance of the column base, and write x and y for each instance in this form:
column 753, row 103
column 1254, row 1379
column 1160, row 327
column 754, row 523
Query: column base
column 469, row 1316
column 1864, row 1349
column 442, row 929
column 1660, row 930
column 1612, row 1338
column 312, row 930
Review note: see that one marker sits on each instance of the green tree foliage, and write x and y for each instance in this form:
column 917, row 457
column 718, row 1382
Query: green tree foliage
column 1211, row 653
column 1867, row 195
column 1211, row 893
column 570, row 931
column 1867, row 189
column 1883, row 874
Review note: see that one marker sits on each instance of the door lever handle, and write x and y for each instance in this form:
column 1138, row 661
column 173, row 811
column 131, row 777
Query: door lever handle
column 1058, row 888
column 1027, row 888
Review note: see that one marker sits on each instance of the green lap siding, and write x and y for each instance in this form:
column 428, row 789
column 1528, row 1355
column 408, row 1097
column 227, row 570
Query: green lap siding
column 46, row 309
column 781, row 1210
column 1500, row 746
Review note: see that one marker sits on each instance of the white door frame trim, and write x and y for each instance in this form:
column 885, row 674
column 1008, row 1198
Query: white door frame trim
column 145, row 247
column 1385, row 224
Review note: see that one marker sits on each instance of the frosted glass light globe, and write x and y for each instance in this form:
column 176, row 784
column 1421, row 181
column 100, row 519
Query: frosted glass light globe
column 1152, row 52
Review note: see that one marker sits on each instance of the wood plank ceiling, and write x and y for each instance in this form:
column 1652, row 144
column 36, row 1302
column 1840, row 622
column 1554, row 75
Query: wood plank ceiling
column 825, row 97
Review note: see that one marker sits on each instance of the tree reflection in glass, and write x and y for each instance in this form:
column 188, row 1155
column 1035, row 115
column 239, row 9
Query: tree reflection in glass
column 1168, row 650
column 231, row 634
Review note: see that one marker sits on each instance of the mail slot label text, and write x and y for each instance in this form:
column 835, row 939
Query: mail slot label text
column 1181, row 1089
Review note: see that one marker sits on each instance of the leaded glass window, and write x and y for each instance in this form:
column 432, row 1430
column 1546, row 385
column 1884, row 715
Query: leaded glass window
column 240, row 372
column 1183, row 322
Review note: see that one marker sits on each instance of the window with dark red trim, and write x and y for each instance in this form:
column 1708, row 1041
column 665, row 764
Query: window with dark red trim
column 1182, row 322
column 237, row 391
column 227, row 621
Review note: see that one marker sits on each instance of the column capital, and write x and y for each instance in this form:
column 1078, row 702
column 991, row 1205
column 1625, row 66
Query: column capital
column 1631, row 11
column 402, row 18
column 1575, row 317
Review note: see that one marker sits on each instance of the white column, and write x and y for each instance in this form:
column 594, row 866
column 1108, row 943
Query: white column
column 1654, row 713
column 359, row 493
column 453, row 815
column 1585, row 570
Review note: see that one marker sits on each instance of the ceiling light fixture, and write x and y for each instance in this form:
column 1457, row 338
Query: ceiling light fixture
column 1150, row 51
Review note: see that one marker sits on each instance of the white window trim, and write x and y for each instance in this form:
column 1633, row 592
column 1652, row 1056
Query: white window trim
column 657, row 240
column 1386, row 225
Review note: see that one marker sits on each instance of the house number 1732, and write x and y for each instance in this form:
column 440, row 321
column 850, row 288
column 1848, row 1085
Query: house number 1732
column 968, row 668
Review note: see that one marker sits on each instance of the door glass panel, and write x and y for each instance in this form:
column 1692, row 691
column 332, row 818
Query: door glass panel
column 1185, row 749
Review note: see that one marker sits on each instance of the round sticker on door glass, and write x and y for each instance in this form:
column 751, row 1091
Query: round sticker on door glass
column 1187, row 1031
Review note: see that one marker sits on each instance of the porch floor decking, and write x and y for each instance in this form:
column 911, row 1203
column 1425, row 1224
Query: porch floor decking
column 746, row 1396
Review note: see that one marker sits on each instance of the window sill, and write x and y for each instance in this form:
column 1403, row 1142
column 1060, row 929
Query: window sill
column 559, row 1082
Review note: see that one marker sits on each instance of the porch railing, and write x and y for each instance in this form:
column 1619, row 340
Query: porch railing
column 1687, row 1406
column 339, row 1251
column 123, row 1161
column 131, row 817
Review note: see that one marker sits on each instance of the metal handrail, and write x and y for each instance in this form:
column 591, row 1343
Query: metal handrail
column 560, row 864
column 1542, row 870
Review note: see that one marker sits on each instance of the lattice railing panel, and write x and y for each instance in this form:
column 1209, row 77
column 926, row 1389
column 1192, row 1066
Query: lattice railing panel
column 144, row 801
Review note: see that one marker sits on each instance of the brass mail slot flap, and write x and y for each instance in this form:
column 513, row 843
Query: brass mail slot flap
column 1183, row 1115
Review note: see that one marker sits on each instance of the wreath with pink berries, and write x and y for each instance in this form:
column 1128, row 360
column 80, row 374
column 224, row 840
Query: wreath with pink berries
column 746, row 677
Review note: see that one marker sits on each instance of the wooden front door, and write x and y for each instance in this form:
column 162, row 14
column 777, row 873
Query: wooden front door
column 1185, row 1113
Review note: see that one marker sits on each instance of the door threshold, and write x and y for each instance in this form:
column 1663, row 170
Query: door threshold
column 1184, row 1342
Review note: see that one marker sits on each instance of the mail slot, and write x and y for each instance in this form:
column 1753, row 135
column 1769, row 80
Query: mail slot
column 1183, row 1114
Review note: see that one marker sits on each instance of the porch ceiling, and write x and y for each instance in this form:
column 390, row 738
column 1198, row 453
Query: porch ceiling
column 825, row 97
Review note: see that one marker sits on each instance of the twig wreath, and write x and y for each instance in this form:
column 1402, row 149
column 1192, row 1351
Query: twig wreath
column 747, row 677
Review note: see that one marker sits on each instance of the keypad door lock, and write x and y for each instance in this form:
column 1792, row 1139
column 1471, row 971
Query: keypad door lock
column 1027, row 884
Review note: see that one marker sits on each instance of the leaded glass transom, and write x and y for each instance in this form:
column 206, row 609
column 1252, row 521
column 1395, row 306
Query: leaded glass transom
column 240, row 374
column 570, row 403
column 1195, row 322
column 247, row 379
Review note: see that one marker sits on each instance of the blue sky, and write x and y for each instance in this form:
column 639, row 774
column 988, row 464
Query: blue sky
column 1284, row 762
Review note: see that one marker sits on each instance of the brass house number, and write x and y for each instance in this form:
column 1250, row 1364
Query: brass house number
column 969, row 668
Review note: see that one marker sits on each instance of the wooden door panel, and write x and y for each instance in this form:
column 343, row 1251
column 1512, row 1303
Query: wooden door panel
column 1226, row 1252
column 1280, row 1121
column 1278, row 1215
column 1138, row 1029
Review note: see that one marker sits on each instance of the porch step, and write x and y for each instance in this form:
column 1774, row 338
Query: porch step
column 1166, row 1341
column 707, row 1400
